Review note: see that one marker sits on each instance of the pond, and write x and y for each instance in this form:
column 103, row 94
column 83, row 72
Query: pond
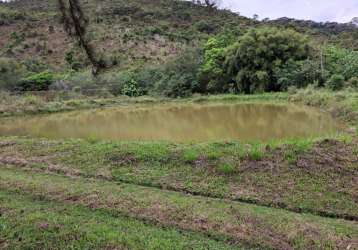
column 178, row 123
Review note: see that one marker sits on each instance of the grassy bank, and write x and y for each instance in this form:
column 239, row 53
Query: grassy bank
column 300, row 175
column 342, row 105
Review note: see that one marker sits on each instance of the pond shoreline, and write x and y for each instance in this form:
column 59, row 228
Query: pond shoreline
column 184, row 122
column 342, row 105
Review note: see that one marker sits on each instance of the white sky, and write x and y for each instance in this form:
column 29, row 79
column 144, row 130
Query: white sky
column 317, row 10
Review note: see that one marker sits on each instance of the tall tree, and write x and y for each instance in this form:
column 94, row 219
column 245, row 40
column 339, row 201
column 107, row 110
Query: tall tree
column 75, row 24
column 253, row 60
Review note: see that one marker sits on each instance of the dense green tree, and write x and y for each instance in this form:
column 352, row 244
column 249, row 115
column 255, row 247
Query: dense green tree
column 336, row 82
column 299, row 74
column 253, row 60
column 212, row 75
column 341, row 61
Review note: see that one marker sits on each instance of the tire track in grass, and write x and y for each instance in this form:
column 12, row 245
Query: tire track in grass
column 33, row 224
column 26, row 165
column 258, row 226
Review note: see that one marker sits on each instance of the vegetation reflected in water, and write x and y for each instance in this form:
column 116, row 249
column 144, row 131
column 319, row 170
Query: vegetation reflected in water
column 178, row 123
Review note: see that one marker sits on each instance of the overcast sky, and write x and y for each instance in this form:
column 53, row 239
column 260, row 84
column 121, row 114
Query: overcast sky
column 318, row 10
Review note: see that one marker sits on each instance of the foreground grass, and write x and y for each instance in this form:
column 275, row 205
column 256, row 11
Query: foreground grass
column 29, row 223
column 223, row 220
column 302, row 175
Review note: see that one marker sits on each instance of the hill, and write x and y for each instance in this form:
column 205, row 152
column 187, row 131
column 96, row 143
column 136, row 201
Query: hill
column 132, row 33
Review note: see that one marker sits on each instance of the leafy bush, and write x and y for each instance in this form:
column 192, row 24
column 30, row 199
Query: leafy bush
column 205, row 26
column 35, row 65
column 131, row 88
column 341, row 61
column 11, row 73
column 36, row 82
column 298, row 74
column 353, row 82
column 71, row 61
column 179, row 78
column 336, row 82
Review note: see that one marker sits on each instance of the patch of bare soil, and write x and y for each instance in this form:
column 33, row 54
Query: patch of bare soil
column 327, row 155
column 46, row 165
column 117, row 159
column 330, row 155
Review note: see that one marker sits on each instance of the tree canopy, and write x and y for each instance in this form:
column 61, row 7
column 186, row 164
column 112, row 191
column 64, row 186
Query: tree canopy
column 252, row 61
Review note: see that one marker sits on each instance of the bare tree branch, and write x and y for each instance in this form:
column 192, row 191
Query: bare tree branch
column 75, row 24
column 212, row 4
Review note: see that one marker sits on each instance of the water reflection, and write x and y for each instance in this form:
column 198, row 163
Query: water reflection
column 178, row 123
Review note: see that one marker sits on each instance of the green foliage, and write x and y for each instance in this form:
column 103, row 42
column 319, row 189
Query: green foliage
column 35, row 65
column 123, row 83
column 8, row 16
column 205, row 26
column 131, row 88
column 226, row 168
column 353, row 82
column 190, row 155
column 298, row 74
column 254, row 59
column 212, row 75
column 36, row 82
column 342, row 61
column 11, row 73
column 256, row 152
column 16, row 39
column 71, row 61
column 336, row 82
column 179, row 77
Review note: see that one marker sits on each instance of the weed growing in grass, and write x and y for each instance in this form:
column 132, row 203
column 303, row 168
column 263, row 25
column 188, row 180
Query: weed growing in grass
column 190, row 155
column 226, row 168
column 296, row 147
column 256, row 152
column 213, row 155
column 92, row 139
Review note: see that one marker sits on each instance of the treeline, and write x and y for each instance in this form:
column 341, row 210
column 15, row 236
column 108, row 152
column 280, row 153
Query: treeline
column 264, row 59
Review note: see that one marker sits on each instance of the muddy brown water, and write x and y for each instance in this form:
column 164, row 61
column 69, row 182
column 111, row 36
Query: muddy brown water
column 178, row 123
